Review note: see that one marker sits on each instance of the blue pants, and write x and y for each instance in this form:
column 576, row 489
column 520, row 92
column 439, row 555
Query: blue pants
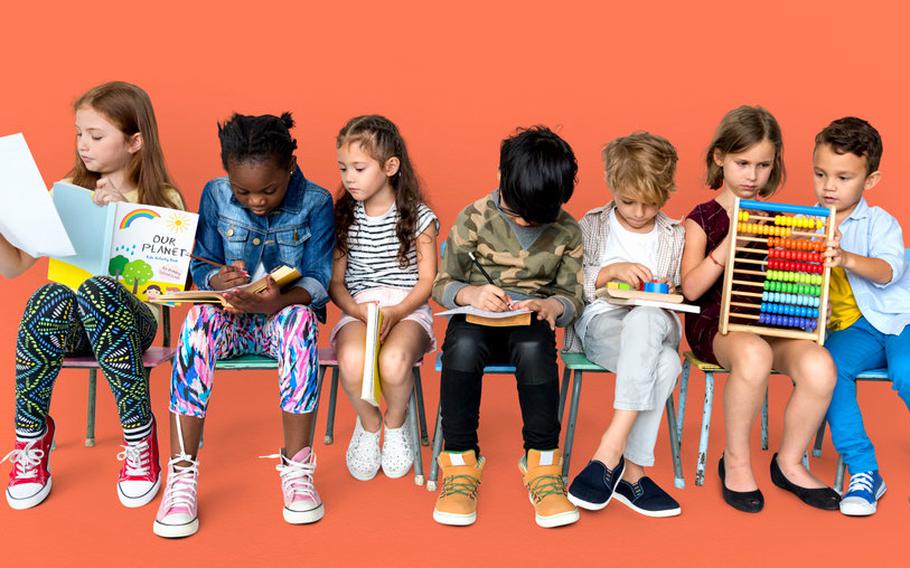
column 857, row 349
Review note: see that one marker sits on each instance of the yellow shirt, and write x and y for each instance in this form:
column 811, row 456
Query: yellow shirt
column 844, row 311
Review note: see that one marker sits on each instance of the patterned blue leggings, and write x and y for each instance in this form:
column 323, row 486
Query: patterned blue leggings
column 102, row 318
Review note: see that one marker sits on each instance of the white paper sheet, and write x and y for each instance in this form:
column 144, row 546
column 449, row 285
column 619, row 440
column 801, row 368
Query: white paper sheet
column 472, row 311
column 28, row 218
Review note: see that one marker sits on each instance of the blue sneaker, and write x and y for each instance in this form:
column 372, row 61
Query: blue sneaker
column 863, row 493
column 647, row 498
column 593, row 487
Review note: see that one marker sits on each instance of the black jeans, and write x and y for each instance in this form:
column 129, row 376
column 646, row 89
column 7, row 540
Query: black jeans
column 531, row 349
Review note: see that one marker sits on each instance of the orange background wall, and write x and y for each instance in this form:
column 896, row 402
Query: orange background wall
column 456, row 77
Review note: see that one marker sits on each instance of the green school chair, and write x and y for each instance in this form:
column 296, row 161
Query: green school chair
column 153, row 357
column 576, row 364
column 327, row 360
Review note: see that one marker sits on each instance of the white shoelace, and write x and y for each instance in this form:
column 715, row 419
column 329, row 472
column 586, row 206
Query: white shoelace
column 137, row 457
column 181, row 483
column 860, row 482
column 26, row 460
column 296, row 477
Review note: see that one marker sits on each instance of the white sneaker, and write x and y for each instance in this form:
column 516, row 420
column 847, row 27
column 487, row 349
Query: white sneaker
column 397, row 457
column 363, row 456
column 178, row 516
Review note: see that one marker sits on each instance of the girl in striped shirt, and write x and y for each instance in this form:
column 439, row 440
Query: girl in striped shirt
column 386, row 253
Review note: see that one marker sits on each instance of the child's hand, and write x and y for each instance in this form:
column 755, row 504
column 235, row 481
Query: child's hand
column 548, row 309
column 391, row 315
column 230, row 275
column 631, row 273
column 487, row 297
column 246, row 302
column 105, row 192
column 359, row 312
column 834, row 255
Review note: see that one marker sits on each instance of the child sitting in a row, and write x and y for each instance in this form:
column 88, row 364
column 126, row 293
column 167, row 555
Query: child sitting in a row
column 631, row 240
column 520, row 238
column 870, row 296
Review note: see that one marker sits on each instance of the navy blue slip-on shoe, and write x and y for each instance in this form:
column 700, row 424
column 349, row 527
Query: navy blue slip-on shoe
column 647, row 498
column 593, row 487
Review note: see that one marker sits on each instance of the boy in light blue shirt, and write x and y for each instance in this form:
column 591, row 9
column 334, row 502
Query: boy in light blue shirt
column 870, row 296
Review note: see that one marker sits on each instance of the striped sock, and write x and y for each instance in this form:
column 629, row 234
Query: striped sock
column 28, row 435
column 136, row 434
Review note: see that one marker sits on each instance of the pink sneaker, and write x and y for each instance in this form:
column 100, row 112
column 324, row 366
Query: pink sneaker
column 140, row 476
column 302, row 504
column 177, row 516
column 30, row 479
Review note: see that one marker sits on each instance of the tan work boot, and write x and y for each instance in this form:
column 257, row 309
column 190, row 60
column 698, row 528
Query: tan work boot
column 457, row 501
column 543, row 477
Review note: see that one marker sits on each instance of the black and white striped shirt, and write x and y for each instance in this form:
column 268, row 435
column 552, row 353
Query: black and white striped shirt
column 373, row 250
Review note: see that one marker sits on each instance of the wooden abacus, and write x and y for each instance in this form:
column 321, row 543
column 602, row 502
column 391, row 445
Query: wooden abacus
column 792, row 276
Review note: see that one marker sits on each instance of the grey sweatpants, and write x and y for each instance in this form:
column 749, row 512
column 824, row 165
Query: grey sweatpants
column 641, row 345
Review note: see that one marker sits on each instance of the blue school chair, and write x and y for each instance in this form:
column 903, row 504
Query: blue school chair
column 153, row 357
column 709, row 369
column 576, row 364
column 327, row 360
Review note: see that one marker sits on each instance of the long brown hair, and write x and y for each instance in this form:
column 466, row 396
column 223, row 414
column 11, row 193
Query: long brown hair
column 129, row 108
column 379, row 138
column 738, row 131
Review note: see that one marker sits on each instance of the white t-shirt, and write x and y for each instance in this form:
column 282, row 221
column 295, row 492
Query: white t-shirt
column 622, row 245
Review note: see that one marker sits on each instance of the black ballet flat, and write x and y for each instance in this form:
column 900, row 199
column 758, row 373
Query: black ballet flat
column 745, row 501
column 821, row 498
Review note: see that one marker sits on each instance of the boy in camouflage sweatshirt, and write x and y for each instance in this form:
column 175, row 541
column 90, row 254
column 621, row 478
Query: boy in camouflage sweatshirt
column 532, row 251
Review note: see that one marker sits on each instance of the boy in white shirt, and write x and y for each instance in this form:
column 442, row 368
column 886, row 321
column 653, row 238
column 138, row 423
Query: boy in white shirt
column 630, row 240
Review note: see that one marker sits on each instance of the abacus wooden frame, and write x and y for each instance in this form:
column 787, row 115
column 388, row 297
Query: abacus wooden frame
column 725, row 325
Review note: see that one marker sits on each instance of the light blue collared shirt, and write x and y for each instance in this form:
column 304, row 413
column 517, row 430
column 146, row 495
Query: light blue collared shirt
column 873, row 232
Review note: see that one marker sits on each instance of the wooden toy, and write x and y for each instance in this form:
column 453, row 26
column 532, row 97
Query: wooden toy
column 776, row 281
column 626, row 296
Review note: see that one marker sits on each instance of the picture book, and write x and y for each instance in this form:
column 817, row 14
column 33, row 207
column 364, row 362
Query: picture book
column 283, row 276
column 371, row 388
column 146, row 248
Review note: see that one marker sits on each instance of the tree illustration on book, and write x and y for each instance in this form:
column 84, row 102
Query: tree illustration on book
column 136, row 273
column 117, row 264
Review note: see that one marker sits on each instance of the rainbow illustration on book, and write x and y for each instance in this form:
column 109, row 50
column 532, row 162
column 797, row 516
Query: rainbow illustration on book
column 133, row 216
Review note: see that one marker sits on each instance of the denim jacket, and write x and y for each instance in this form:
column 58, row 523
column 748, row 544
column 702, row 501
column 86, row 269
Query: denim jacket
column 299, row 233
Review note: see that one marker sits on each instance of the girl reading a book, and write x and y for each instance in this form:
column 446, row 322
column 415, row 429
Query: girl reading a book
column 385, row 253
column 119, row 157
column 263, row 215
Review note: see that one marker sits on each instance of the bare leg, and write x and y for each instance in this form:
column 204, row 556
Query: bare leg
column 296, row 432
column 192, row 430
column 814, row 374
column 613, row 442
column 349, row 346
column 404, row 345
column 749, row 359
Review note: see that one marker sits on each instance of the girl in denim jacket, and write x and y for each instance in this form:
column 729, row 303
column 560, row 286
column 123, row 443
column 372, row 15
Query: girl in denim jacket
column 264, row 214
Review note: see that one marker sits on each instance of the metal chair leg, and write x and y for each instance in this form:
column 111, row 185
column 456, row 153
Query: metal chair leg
column 683, row 392
column 330, row 419
column 421, row 409
column 839, row 477
column 90, row 418
column 705, row 430
column 437, row 449
column 678, row 481
column 819, row 440
column 570, row 430
column 414, row 431
column 764, row 423
column 563, row 392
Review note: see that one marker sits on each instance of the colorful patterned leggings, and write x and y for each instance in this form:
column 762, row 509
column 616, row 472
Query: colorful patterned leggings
column 101, row 318
column 210, row 333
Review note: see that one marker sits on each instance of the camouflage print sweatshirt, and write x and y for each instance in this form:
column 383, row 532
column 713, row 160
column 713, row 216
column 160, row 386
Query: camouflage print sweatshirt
column 539, row 262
